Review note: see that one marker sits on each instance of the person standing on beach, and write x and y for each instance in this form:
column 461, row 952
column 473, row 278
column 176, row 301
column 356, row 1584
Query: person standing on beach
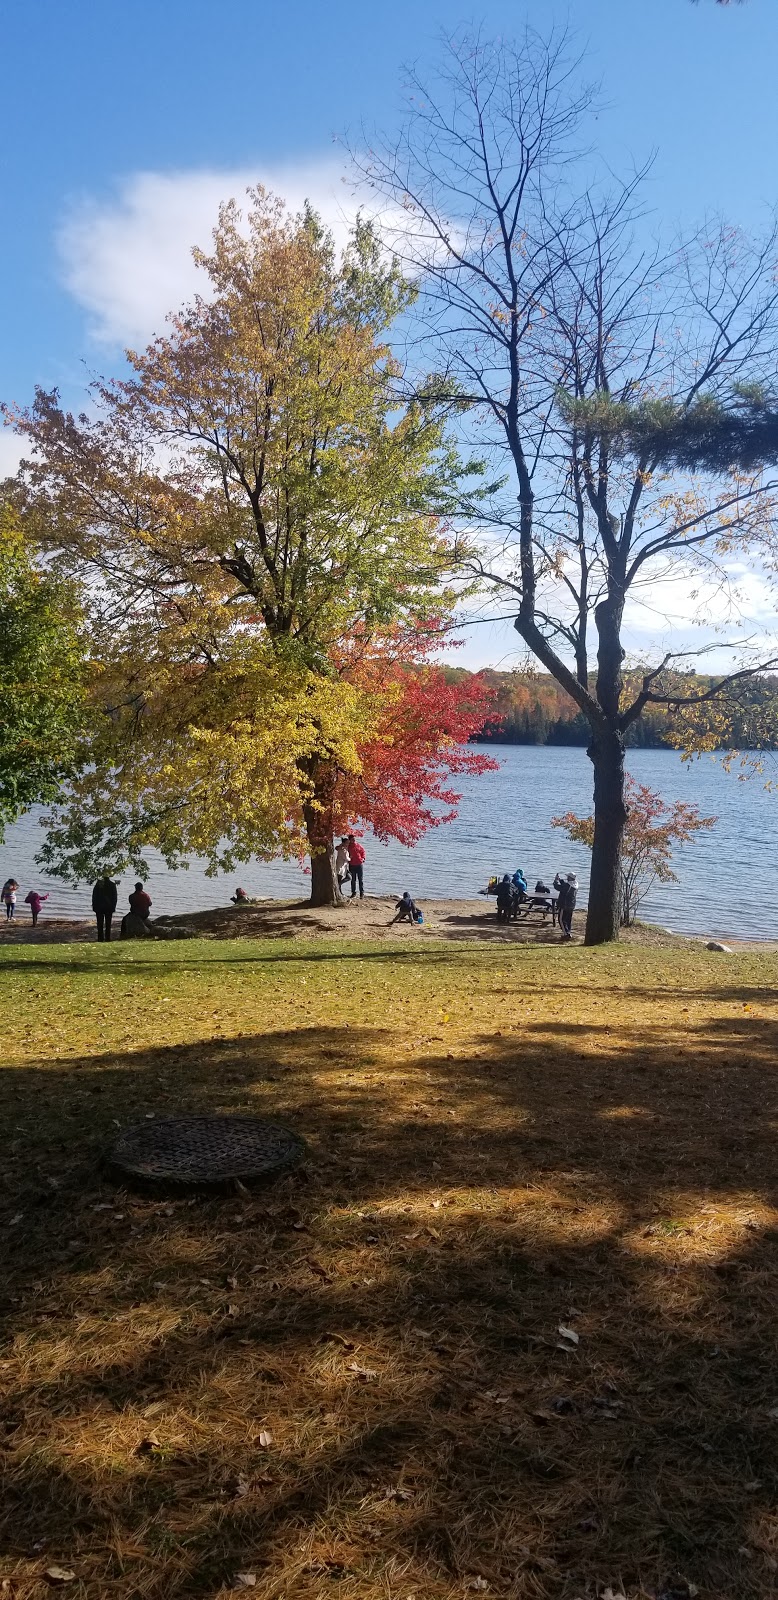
column 104, row 897
column 356, row 861
column 35, row 900
column 8, row 896
column 341, row 863
column 567, row 894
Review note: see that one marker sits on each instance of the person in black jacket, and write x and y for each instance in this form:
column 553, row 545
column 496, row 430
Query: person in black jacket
column 406, row 908
column 507, row 900
column 567, row 894
column 104, row 897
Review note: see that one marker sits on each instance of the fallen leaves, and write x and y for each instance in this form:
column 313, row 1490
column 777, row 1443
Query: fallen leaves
column 366, row 1374
column 149, row 1446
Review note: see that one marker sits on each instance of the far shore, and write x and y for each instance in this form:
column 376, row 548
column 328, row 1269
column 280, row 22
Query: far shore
column 371, row 918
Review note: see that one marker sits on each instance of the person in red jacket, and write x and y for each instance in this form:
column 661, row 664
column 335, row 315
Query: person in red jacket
column 140, row 902
column 356, row 860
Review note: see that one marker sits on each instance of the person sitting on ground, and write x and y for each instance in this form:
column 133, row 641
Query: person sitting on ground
column 341, row 863
column 506, row 900
column 240, row 897
column 140, row 902
column 35, row 901
column 407, row 910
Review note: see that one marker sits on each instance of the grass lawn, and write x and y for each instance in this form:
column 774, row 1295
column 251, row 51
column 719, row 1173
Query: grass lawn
column 354, row 1384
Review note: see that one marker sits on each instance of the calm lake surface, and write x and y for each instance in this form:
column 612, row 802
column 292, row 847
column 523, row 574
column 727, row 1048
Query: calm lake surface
column 728, row 879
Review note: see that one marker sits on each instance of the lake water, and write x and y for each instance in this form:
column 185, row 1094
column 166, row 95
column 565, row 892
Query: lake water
column 728, row 879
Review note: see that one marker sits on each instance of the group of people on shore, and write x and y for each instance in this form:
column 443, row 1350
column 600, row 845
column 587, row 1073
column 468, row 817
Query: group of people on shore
column 105, row 897
column 350, row 864
column 513, row 892
column 9, row 895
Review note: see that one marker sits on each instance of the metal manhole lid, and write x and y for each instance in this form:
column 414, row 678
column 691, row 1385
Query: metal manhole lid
column 204, row 1152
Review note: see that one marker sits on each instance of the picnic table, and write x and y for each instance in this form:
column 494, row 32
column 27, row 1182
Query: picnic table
column 542, row 903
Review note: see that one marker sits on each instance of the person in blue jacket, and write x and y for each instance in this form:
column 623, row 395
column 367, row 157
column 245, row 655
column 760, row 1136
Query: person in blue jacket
column 520, row 885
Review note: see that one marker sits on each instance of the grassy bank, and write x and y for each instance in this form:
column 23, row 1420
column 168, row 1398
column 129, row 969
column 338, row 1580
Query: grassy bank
column 354, row 1383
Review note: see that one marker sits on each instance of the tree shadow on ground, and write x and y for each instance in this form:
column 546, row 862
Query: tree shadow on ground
column 355, row 1382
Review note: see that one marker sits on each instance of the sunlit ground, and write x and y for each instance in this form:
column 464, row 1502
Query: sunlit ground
column 513, row 1330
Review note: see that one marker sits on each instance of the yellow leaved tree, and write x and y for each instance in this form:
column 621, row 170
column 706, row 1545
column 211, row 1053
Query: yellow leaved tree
column 256, row 493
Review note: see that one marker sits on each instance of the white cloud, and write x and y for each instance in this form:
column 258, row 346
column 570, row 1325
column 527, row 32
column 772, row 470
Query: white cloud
column 12, row 449
column 128, row 260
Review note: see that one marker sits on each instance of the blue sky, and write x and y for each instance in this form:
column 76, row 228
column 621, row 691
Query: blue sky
column 123, row 124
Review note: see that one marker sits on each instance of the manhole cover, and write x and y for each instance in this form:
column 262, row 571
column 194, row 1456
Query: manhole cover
column 204, row 1152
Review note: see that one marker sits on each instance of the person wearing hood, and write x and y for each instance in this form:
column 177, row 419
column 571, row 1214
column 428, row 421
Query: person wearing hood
column 567, row 894
column 407, row 909
column 507, row 900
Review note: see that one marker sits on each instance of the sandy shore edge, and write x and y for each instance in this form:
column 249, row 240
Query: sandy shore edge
column 370, row 918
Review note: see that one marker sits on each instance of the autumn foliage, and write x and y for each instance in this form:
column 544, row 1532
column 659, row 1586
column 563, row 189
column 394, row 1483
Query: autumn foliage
column 420, row 741
column 262, row 522
column 655, row 827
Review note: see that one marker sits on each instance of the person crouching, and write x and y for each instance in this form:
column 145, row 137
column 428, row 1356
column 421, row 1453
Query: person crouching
column 406, row 910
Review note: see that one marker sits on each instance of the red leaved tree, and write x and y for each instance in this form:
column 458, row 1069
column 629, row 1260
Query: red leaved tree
column 418, row 742
column 654, row 827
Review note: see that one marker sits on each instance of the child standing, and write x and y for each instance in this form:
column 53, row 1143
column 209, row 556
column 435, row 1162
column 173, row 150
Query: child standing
column 35, row 901
column 8, row 897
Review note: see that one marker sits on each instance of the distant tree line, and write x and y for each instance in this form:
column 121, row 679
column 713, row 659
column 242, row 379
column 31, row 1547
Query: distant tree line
column 531, row 708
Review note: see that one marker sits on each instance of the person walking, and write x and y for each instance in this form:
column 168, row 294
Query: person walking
column 356, row 861
column 35, row 900
column 8, row 896
column 104, row 897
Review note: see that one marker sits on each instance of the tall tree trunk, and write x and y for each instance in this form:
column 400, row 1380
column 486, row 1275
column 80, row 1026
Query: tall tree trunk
column 603, row 918
column 318, row 813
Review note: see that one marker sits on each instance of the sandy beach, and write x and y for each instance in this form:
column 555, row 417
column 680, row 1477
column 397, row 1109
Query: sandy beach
column 370, row 918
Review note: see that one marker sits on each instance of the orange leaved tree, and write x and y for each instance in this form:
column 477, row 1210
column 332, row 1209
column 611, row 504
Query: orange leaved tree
column 653, row 829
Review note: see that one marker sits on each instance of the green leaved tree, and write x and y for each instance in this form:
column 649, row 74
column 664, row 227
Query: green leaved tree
column 43, row 674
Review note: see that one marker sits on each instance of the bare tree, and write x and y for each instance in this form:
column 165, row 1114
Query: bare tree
column 549, row 319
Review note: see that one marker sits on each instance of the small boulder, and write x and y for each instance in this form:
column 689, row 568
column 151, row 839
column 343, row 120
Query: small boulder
column 134, row 927
column 713, row 944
